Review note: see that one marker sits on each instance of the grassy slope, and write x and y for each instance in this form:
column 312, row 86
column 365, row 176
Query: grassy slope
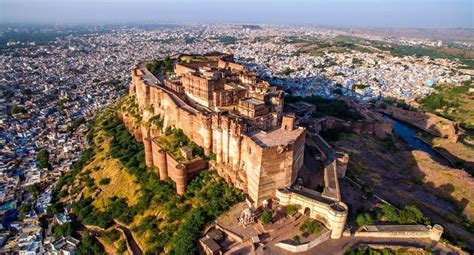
column 453, row 102
column 460, row 150
column 162, row 221
column 122, row 184
column 457, row 104
column 447, row 182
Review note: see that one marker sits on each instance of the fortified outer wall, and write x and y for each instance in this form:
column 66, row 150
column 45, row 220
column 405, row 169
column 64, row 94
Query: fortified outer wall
column 327, row 206
column 180, row 173
column 402, row 231
column 379, row 128
column 332, row 214
column 168, row 166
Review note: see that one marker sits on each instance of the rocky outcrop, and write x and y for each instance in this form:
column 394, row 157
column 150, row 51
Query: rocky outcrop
column 131, row 124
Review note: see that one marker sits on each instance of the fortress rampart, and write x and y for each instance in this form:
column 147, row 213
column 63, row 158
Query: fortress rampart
column 401, row 231
column 179, row 172
column 332, row 214
column 325, row 206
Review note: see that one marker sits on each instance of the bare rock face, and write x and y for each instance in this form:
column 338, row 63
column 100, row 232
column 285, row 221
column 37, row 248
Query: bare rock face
column 382, row 129
column 236, row 178
column 132, row 127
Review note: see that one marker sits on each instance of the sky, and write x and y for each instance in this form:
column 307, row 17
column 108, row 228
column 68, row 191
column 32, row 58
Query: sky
column 337, row 13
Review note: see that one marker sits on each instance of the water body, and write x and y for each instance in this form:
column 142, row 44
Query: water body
column 407, row 133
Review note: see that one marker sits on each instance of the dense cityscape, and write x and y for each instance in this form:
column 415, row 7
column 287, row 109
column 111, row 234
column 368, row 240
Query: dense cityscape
column 51, row 88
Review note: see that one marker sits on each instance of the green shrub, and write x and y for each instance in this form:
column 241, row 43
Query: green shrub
column 122, row 247
column 266, row 217
column 310, row 227
column 111, row 236
column 390, row 212
column 410, row 215
column 89, row 245
column 297, row 239
column 364, row 219
column 65, row 229
column 104, row 181
column 43, row 159
column 291, row 209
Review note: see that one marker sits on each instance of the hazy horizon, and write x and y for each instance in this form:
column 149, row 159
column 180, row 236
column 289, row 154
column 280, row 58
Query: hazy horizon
column 336, row 13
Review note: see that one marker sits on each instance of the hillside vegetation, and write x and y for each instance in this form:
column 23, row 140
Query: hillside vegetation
column 111, row 182
column 452, row 102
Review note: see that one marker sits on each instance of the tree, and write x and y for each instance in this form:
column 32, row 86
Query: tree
column 34, row 189
column 286, row 71
column 168, row 64
column 24, row 209
column 75, row 124
column 390, row 212
column 266, row 217
column 104, row 181
column 89, row 245
column 297, row 239
column 18, row 110
column 65, row 229
column 310, row 227
column 43, row 159
column 291, row 209
column 9, row 93
column 153, row 66
column 364, row 219
column 410, row 215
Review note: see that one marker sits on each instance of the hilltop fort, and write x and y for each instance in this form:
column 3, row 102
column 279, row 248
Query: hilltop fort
column 228, row 111
column 237, row 119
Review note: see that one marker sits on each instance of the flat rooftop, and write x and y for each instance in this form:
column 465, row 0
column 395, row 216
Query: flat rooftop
column 276, row 137
column 233, row 86
column 254, row 101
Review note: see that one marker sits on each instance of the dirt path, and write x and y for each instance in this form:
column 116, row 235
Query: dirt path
column 131, row 243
